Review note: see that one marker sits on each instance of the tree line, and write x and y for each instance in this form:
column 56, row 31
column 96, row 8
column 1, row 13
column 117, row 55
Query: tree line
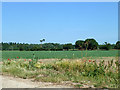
column 88, row 44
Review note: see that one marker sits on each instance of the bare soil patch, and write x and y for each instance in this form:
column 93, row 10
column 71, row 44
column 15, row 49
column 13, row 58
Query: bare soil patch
column 12, row 82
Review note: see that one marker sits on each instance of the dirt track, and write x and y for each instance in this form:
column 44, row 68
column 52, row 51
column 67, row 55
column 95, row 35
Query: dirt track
column 11, row 82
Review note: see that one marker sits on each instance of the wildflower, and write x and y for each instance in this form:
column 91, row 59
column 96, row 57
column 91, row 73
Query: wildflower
column 84, row 60
column 24, row 59
column 17, row 57
column 89, row 60
column 9, row 60
column 30, row 60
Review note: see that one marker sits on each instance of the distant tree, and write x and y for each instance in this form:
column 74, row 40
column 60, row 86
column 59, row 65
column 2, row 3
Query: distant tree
column 117, row 46
column 105, row 46
column 91, row 44
column 108, row 46
column 21, row 48
column 67, row 46
column 73, row 47
column 88, row 44
column 5, row 46
column 57, row 46
column 42, row 41
column 48, row 46
column 79, row 44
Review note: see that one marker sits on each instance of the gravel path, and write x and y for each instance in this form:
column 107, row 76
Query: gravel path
column 11, row 82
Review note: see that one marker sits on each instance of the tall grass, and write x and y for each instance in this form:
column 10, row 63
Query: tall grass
column 99, row 74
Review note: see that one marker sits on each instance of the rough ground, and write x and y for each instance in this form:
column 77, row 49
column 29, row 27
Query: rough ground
column 12, row 82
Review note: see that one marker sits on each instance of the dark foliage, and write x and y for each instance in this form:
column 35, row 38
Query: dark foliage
column 89, row 44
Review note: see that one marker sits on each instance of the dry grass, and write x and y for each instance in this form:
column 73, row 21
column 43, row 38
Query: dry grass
column 74, row 70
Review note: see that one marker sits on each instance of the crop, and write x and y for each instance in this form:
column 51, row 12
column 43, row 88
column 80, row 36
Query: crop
column 57, row 54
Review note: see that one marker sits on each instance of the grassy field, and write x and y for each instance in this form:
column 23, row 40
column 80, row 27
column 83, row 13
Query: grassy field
column 57, row 54
column 100, row 71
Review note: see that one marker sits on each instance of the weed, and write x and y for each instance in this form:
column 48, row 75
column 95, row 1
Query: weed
column 64, row 70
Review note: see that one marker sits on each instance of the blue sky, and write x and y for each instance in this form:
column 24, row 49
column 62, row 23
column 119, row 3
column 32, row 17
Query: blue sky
column 62, row 22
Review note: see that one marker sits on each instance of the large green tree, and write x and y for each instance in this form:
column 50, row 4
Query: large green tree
column 91, row 44
column 79, row 44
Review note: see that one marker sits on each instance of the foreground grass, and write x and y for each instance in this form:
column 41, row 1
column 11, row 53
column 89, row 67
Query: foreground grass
column 83, row 72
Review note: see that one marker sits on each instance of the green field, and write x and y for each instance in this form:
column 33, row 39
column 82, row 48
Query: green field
column 57, row 54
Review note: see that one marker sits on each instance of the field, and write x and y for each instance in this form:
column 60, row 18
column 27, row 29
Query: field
column 58, row 54
column 83, row 69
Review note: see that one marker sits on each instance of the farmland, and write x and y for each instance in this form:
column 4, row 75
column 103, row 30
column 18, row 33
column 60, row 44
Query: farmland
column 91, row 69
column 58, row 54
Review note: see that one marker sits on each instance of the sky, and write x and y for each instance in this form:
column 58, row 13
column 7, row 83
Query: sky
column 59, row 22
